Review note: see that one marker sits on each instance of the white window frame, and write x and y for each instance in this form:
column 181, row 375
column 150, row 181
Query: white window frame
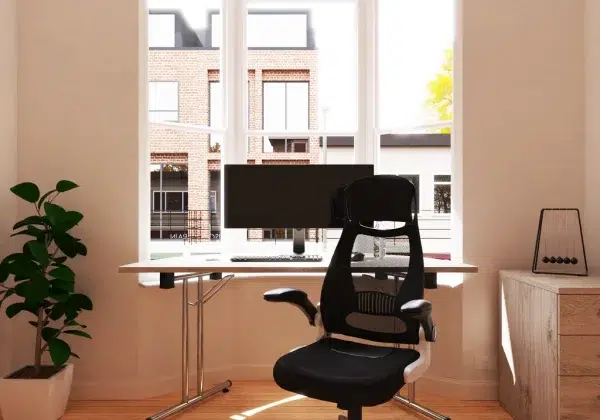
column 233, row 77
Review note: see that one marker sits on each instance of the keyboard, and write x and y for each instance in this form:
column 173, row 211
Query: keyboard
column 277, row 258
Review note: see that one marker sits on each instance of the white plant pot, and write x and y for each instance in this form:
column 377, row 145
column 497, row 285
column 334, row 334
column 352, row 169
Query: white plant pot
column 36, row 399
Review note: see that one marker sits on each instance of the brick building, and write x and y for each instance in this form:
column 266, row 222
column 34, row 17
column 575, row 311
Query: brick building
column 283, row 94
column 184, row 87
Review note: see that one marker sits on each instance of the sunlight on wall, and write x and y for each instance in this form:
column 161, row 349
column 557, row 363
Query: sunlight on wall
column 506, row 343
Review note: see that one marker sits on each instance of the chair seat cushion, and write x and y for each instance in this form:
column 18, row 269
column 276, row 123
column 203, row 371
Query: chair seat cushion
column 348, row 373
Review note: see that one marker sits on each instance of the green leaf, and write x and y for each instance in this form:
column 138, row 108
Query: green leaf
column 60, row 351
column 23, row 266
column 39, row 252
column 54, row 213
column 78, row 333
column 35, row 324
column 34, row 290
column 57, row 311
column 69, row 220
column 63, row 272
column 49, row 333
column 64, row 285
column 81, row 249
column 65, row 185
column 31, row 231
column 73, row 323
column 58, row 261
column 4, row 272
column 28, row 191
column 41, row 201
column 31, row 220
column 66, row 243
column 14, row 309
column 78, row 301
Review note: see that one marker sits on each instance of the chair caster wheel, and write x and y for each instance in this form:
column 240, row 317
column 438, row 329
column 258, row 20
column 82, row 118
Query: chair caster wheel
column 225, row 390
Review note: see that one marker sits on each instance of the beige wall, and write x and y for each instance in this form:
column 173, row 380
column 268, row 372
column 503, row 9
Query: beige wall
column 522, row 146
column 8, row 148
column 519, row 127
column 592, row 133
column 78, row 119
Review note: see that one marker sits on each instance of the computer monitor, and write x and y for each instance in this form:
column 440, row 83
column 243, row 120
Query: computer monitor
column 288, row 196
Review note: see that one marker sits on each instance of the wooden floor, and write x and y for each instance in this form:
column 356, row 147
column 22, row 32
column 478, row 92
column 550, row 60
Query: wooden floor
column 257, row 396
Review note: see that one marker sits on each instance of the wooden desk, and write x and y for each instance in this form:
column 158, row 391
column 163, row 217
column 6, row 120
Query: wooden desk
column 222, row 269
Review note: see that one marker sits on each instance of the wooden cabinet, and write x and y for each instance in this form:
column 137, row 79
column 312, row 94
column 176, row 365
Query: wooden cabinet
column 549, row 353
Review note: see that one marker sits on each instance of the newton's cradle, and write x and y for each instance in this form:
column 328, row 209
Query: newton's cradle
column 559, row 245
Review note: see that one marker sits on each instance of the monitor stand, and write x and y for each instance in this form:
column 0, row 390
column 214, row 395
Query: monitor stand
column 299, row 241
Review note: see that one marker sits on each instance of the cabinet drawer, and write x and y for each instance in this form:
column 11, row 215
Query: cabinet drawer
column 579, row 355
column 579, row 315
column 579, row 397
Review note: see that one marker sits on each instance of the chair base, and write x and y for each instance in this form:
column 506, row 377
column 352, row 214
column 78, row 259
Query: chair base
column 420, row 409
column 353, row 414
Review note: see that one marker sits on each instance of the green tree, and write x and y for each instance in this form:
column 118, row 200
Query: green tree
column 440, row 92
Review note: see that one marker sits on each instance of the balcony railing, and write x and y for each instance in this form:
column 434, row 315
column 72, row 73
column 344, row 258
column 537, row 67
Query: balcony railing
column 188, row 226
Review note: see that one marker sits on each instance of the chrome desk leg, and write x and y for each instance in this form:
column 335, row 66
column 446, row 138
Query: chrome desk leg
column 410, row 403
column 201, row 394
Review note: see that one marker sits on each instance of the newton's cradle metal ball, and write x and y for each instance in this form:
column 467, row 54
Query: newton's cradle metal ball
column 560, row 260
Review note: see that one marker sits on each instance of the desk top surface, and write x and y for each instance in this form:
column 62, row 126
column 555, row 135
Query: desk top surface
column 207, row 264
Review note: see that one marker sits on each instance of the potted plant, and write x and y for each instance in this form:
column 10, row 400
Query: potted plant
column 39, row 281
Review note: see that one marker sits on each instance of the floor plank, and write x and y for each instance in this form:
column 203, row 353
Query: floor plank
column 246, row 396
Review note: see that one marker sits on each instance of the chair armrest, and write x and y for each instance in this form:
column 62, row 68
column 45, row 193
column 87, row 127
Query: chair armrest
column 295, row 297
column 420, row 310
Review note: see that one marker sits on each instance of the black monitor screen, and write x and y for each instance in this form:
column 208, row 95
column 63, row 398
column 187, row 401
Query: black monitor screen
column 288, row 196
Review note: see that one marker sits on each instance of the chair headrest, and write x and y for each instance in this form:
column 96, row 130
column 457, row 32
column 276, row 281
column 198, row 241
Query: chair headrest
column 380, row 198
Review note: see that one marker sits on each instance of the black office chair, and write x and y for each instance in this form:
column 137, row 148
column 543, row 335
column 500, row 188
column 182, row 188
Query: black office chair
column 382, row 310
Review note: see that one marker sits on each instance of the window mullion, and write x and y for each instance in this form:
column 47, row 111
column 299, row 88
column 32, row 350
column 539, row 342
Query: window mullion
column 366, row 143
column 234, row 90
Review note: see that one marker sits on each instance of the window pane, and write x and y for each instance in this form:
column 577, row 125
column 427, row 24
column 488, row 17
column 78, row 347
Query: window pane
column 296, row 106
column 216, row 115
column 174, row 201
column 161, row 30
column 291, row 30
column 442, row 198
column 185, row 88
column 315, row 43
column 166, row 96
column 157, row 204
column 441, row 178
column 415, row 61
column 274, row 106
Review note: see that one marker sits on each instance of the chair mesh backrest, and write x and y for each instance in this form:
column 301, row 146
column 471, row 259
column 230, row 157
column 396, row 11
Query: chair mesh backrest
column 367, row 304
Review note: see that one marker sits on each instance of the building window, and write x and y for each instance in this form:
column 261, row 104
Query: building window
column 161, row 30
column 163, row 101
column 172, row 201
column 215, row 115
column 441, row 193
column 277, row 145
column 285, row 108
column 212, row 202
column 291, row 30
column 415, row 181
